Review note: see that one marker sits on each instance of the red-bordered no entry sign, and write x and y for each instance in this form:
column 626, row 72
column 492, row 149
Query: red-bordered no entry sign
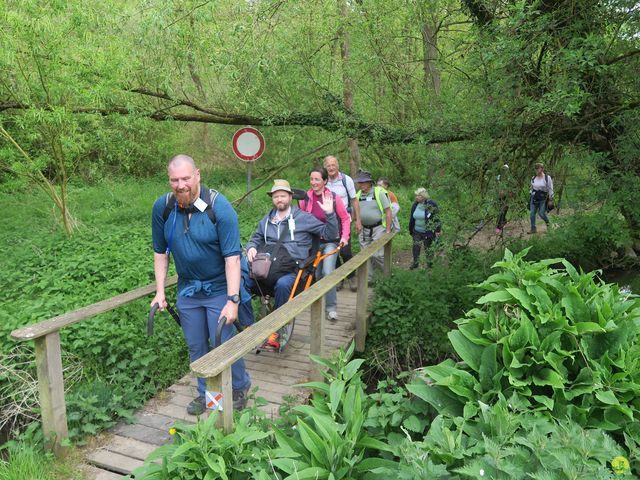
column 248, row 144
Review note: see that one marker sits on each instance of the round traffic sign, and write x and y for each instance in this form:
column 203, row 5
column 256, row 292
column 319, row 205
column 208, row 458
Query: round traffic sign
column 248, row 144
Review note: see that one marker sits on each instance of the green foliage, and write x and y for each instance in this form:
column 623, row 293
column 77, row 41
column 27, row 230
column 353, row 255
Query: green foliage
column 504, row 443
column 25, row 462
column 328, row 439
column 553, row 341
column 413, row 311
column 202, row 450
column 25, row 459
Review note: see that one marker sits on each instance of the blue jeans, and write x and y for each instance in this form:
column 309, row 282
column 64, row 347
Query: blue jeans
column 199, row 317
column 328, row 266
column 539, row 206
column 281, row 290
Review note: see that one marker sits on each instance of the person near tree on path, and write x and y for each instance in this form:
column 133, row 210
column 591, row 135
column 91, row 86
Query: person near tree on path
column 424, row 226
column 541, row 192
column 504, row 195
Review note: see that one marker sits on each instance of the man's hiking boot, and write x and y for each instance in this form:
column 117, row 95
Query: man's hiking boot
column 240, row 398
column 197, row 406
column 413, row 266
column 533, row 230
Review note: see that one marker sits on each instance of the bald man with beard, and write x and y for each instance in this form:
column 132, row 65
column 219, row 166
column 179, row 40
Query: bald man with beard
column 208, row 258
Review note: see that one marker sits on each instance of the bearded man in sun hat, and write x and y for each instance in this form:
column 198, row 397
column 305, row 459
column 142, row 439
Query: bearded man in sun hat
column 295, row 228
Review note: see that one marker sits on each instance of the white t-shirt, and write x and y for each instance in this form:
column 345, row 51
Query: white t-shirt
column 337, row 187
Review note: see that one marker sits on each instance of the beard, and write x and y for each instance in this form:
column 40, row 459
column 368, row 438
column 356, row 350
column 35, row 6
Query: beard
column 282, row 206
column 184, row 197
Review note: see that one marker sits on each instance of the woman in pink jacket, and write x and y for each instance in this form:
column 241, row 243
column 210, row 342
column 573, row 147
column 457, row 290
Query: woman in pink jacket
column 318, row 179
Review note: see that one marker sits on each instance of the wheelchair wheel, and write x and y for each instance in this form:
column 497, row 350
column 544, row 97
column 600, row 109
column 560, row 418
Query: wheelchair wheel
column 285, row 334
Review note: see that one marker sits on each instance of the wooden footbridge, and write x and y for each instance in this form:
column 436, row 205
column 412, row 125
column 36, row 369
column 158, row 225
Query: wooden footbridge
column 274, row 375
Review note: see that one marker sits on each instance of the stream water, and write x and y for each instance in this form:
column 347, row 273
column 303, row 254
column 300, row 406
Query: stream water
column 629, row 279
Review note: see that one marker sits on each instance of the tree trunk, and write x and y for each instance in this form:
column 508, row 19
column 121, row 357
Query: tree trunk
column 347, row 84
column 430, row 55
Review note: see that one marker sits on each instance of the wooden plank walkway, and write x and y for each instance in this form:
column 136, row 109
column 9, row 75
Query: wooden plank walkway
column 127, row 445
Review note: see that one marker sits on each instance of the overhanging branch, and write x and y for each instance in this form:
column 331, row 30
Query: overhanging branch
column 351, row 126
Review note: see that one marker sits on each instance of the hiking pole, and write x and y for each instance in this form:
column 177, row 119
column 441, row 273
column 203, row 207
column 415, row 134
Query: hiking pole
column 152, row 314
column 222, row 321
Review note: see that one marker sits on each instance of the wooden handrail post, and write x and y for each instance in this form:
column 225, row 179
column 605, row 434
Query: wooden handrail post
column 317, row 336
column 387, row 258
column 51, row 389
column 361, row 306
column 221, row 383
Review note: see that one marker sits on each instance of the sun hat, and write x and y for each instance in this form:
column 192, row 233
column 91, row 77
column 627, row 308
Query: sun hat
column 363, row 177
column 280, row 184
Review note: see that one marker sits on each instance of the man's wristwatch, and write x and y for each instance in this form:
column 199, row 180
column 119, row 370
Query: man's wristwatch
column 234, row 298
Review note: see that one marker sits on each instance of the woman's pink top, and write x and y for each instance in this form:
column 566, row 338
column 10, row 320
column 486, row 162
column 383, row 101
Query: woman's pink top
column 341, row 211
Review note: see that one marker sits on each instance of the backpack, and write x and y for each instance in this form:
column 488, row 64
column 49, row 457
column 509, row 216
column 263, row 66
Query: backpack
column 376, row 190
column 344, row 184
column 170, row 203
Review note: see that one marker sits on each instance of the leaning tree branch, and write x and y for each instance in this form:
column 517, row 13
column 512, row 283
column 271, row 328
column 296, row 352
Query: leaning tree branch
column 350, row 125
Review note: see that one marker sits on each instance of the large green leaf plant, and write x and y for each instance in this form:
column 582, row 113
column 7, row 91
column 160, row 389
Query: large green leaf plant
column 549, row 340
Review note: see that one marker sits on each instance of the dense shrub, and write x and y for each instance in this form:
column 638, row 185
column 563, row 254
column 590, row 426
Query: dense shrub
column 413, row 311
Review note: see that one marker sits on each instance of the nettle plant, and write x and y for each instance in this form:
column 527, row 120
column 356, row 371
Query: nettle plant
column 553, row 341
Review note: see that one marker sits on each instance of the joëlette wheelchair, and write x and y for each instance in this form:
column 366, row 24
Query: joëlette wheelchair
column 306, row 275
column 277, row 341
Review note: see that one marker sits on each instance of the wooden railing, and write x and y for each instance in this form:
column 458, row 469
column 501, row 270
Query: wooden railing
column 216, row 365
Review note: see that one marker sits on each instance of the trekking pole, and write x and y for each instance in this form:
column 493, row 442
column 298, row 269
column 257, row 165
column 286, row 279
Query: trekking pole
column 221, row 323
column 152, row 314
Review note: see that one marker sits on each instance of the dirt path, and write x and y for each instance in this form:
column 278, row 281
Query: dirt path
column 487, row 238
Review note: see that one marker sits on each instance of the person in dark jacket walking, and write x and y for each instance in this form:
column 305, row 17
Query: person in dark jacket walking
column 424, row 226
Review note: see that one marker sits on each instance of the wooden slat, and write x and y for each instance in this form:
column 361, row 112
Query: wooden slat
column 56, row 323
column 114, row 461
column 99, row 474
column 317, row 336
column 129, row 447
column 361, row 307
column 387, row 258
column 150, row 435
